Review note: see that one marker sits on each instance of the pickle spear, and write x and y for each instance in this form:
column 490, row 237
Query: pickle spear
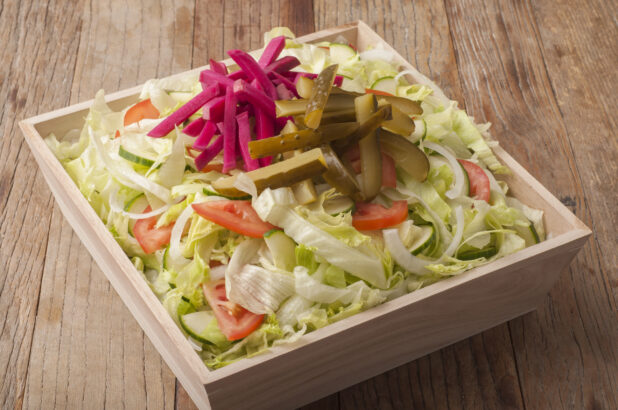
column 373, row 123
column 330, row 117
column 338, row 175
column 401, row 123
column 370, row 156
column 306, row 138
column 335, row 102
column 304, row 87
column 405, row 105
column 319, row 96
column 405, row 154
column 304, row 191
column 283, row 173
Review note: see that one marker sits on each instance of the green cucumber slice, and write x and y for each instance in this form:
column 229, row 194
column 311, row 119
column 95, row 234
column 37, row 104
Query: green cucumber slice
column 195, row 323
column 386, row 84
column 338, row 205
column 282, row 248
column 528, row 233
column 209, row 192
column 341, row 53
column 487, row 252
column 136, row 159
column 424, row 240
column 135, row 205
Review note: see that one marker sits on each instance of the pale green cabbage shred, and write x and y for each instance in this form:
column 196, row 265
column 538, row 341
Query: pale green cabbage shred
column 339, row 270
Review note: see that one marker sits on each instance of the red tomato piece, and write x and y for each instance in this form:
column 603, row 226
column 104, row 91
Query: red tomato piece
column 479, row 182
column 377, row 92
column 369, row 217
column 235, row 215
column 141, row 110
column 235, row 321
column 150, row 238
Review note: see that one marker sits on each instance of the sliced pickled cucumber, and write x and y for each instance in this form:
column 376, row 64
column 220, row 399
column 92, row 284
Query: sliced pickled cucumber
column 405, row 105
column 338, row 175
column 405, row 154
column 319, row 96
column 283, row 173
column 371, row 158
column 335, row 102
column 210, row 192
column 304, row 87
column 401, row 123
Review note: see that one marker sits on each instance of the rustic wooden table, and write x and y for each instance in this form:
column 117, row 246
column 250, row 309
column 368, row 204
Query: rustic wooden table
column 543, row 72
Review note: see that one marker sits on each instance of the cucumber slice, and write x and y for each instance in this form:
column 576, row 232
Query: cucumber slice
column 136, row 159
column 386, row 84
column 209, row 192
column 195, row 324
column 466, row 180
column 425, row 239
column 341, row 53
column 282, row 248
column 136, row 205
column 486, row 252
column 529, row 234
column 338, row 205
column 165, row 264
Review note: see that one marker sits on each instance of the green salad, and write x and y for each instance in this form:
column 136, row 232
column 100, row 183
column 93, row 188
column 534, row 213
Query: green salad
column 299, row 186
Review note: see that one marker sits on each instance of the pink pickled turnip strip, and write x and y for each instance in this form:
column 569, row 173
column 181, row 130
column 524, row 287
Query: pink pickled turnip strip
column 244, row 136
column 283, row 93
column 195, row 127
column 283, row 80
column 264, row 128
column 209, row 77
column 218, row 67
column 205, row 136
column 209, row 153
column 247, row 93
column 184, row 112
column 237, row 75
column 253, row 70
column 338, row 81
column 272, row 51
column 213, row 110
column 284, row 64
column 229, row 131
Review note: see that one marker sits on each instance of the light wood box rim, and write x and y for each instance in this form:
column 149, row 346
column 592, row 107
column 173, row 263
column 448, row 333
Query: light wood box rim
column 573, row 232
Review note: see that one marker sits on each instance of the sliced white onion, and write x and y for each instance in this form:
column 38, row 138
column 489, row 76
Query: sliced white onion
column 377, row 54
column 194, row 344
column 459, row 216
column 458, row 185
column 402, row 255
column 257, row 289
column 245, row 184
column 177, row 230
column 119, row 208
column 404, row 72
column 127, row 175
column 218, row 272
column 244, row 253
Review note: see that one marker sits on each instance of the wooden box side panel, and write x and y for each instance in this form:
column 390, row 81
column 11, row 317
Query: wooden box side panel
column 391, row 338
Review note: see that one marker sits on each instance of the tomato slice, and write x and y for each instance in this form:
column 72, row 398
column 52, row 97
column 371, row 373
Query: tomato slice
column 377, row 92
column 141, row 110
column 369, row 217
column 234, row 320
column 389, row 173
column 235, row 215
column 479, row 182
column 150, row 238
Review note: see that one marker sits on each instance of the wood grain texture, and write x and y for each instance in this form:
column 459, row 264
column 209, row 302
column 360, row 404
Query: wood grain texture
column 87, row 349
column 506, row 81
column 542, row 72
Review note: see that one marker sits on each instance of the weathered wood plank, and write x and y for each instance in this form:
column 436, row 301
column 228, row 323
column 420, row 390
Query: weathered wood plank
column 566, row 352
column 481, row 369
column 32, row 80
column 88, row 352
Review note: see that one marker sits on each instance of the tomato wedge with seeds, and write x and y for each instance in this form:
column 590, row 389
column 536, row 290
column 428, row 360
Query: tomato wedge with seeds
column 141, row 110
column 369, row 217
column 235, row 321
column 235, row 215
column 150, row 238
column 479, row 182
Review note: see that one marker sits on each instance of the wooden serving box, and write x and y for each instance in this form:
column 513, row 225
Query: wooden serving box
column 351, row 350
